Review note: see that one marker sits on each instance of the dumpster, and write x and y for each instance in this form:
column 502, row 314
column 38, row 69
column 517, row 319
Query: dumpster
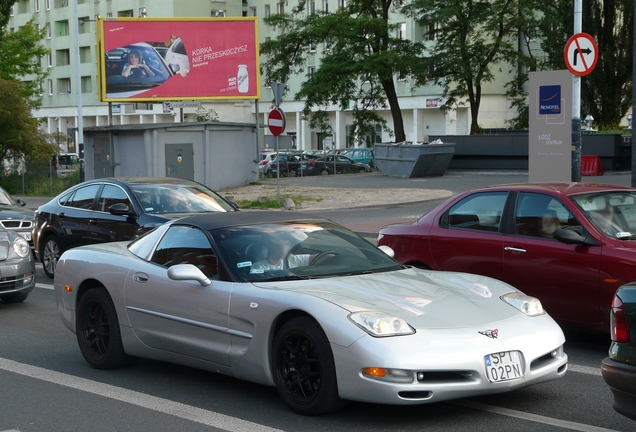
column 407, row 160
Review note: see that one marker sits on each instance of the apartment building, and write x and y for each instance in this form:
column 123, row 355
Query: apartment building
column 420, row 105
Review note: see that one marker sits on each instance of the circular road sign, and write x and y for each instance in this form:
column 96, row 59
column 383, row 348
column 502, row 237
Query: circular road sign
column 276, row 121
column 581, row 54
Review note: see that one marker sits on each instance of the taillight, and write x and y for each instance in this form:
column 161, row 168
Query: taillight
column 313, row 163
column 265, row 162
column 618, row 321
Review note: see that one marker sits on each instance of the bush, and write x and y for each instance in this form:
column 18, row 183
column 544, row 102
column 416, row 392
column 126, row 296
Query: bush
column 37, row 181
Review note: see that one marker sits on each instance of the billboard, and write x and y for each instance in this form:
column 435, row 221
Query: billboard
column 159, row 59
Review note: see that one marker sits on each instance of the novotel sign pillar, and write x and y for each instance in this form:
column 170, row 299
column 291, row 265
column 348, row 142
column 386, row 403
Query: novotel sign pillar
column 550, row 126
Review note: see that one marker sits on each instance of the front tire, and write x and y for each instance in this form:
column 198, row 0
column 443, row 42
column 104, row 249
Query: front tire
column 304, row 369
column 51, row 252
column 97, row 329
column 14, row 297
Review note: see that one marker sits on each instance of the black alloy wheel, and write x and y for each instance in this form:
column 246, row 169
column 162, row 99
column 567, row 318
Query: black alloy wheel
column 50, row 255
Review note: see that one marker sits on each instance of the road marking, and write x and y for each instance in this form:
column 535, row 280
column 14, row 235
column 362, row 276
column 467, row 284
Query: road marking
column 532, row 417
column 187, row 412
column 43, row 286
column 585, row 369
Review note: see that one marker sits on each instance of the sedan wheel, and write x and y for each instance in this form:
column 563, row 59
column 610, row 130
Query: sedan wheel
column 50, row 256
column 304, row 370
column 98, row 334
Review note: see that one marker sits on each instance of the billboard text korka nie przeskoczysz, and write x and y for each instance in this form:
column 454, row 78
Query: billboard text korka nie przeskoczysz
column 157, row 59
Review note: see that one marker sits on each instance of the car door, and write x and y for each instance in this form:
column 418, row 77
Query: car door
column 180, row 316
column 344, row 164
column 564, row 277
column 74, row 217
column 107, row 227
column 467, row 236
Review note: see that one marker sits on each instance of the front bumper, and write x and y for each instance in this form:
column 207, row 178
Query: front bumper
column 17, row 276
column 621, row 378
column 452, row 361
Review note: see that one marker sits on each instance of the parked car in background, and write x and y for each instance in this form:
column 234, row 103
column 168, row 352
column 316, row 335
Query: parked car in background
column 332, row 163
column 569, row 244
column 289, row 164
column 106, row 210
column 265, row 158
column 288, row 300
column 17, row 267
column 360, row 155
column 68, row 163
column 619, row 369
column 15, row 217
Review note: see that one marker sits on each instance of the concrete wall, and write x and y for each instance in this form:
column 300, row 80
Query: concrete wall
column 224, row 153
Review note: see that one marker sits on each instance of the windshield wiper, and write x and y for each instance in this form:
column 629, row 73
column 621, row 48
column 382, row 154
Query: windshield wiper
column 287, row 277
column 361, row 272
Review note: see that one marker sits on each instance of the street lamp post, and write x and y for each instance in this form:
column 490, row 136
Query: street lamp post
column 78, row 82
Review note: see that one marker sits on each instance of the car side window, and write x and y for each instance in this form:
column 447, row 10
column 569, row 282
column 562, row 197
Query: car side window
column 112, row 195
column 541, row 215
column 186, row 245
column 480, row 211
column 84, row 197
column 343, row 159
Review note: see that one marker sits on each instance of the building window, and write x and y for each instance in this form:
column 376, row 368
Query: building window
column 126, row 13
column 12, row 30
column 49, row 84
column 61, row 28
column 108, row 14
column 61, row 3
column 87, row 85
column 342, row 4
column 23, row 7
column 11, row 12
column 310, row 72
column 63, row 85
column 50, row 59
column 47, row 6
column 267, row 12
column 85, row 54
column 37, row 5
column 62, row 57
column 253, row 11
column 217, row 13
column 311, row 7
column 433, row 28
column 312, row 46
column 327, row 44
column 280, row 8
column 48, row 30
column 82, row 25
column 401, row 31
column 325, row 5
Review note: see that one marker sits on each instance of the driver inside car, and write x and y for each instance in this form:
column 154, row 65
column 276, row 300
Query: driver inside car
column 275, row 259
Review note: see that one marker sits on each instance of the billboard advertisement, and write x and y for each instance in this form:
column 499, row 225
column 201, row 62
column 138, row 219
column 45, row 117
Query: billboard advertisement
column 159, row 59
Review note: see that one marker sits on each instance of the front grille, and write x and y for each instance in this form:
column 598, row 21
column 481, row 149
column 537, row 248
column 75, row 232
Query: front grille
column 445, row 376
column 16, row 224
column 7, row 283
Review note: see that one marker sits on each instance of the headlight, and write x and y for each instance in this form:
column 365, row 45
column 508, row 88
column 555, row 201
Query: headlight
column 381, row 324
column 21, row 247
column 530, row 306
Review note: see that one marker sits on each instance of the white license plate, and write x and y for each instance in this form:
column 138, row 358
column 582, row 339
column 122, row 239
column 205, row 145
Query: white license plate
column 27, row 236
column 504, row 366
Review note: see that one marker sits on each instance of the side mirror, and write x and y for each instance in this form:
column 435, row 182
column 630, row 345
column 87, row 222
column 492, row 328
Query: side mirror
column 234, row 204
column 188, row 272
column 174, row 67
column 20, row 202
column 387, row 250
column 120, row 209
column 568, row 236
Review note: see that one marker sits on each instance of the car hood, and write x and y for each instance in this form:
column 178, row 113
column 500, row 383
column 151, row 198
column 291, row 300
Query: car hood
column 425, row 299
column 5, row 244
column 15, row 212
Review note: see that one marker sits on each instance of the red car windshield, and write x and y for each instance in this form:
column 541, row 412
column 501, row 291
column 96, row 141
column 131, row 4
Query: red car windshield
column 612, row 213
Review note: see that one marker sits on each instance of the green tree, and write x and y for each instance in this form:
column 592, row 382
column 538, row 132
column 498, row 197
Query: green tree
column 20, row 135
column 205, row 115
column 5, row 13
column 361, row 55
column 606, row 93
column 20, row 54
column 472, row 39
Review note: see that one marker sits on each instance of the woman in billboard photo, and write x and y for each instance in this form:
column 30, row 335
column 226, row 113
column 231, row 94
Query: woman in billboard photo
column 136, row 67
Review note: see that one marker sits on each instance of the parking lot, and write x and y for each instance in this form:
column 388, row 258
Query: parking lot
column 46, row 385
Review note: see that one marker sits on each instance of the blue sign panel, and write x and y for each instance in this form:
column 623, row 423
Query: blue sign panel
column 550, row 99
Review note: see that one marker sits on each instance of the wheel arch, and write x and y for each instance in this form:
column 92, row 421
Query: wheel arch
column 86, row 286
column 277, row 324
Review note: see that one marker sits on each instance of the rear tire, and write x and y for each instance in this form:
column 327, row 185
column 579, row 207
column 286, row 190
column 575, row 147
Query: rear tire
column 304, row 369
column 14, row 297
column 97, row 330
column 50, row 253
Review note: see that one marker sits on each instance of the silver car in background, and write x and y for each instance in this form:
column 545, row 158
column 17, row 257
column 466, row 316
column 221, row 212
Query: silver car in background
column 17, row 267
column 303, row 304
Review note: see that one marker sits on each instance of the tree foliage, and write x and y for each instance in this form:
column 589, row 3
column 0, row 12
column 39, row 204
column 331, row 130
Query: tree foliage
column 362, row 54
column 5, row 13
column 605, row 93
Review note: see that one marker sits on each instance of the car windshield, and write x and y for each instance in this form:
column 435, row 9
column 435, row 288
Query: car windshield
column 6, row 199
column 612, row 213
column 165, row 198
column 297, row 250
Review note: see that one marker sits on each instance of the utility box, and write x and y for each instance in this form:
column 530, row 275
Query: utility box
column 408, row 160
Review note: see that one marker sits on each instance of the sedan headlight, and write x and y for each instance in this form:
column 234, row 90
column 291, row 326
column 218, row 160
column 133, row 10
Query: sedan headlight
column 530, row 306
column 21, row 247
column 381, row 324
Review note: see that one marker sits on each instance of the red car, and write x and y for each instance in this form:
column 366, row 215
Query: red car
column 569, row 244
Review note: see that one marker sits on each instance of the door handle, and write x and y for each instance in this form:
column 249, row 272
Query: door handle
column 93, row 221
column 61, row 215
column 514, row 249
column 141, row 277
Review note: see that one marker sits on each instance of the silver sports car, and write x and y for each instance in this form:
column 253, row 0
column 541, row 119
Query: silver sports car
column 303, row 304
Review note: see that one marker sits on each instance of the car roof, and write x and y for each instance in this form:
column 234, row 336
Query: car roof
column 566, row 189
column 143, row 180
column 230, row 219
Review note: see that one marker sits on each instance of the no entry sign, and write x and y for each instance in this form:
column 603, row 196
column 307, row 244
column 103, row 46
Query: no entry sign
column 276, row 121
column 581, row 54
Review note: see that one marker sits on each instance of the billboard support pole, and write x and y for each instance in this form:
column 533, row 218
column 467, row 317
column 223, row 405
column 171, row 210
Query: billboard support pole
column 258, row 137
column 634, row 106
column 78, row 79
column 277, row 173
column 576, row 103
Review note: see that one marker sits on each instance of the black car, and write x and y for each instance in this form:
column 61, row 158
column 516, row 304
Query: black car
column 14, row 216
column 106, row 210
column 332, row 163
column 289, row 164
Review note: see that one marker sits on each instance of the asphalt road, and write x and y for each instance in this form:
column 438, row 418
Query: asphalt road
column 45, row 385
